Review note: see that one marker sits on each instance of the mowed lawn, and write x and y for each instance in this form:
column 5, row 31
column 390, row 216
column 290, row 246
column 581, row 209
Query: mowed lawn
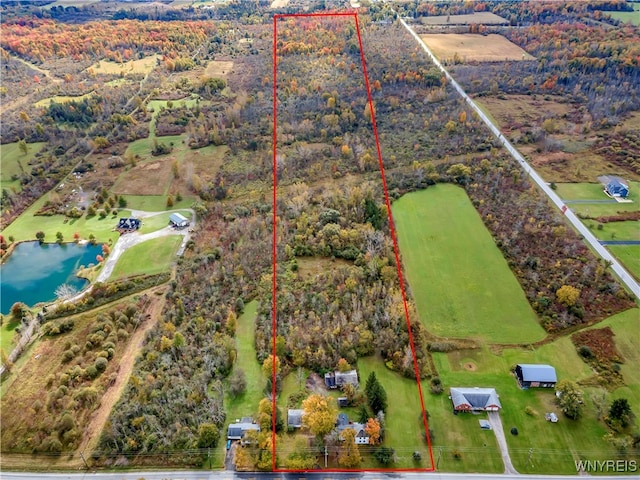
column 459, row 279
column 629, row 255
column 246, row 405
column 27, row 225
column 147, row 258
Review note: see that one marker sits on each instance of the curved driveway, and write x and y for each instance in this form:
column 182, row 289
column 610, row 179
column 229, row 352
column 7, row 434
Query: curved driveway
column 589, row 237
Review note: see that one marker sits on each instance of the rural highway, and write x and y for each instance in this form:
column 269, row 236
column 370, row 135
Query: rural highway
column 204, row 475
column 624, row 276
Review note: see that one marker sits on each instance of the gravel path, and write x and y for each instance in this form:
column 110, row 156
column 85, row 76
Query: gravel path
column 496, row 425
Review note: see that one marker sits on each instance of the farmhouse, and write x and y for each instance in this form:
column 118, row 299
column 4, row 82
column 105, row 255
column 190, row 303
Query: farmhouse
column 362, row 437
column 340, row 379
column 177, row 220
column 294, row 418
column 615, row 187
column 475, row 399
column 237, row 430
column 531, row 375
column 126, row 225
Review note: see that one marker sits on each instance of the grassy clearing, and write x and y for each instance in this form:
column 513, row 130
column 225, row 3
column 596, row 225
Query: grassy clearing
column 405, row 430
column 143, row 65
column 246, row 404
column 218, row 68
column 7, row 332
column 27, row 225
column 449, row 255
column 615, row 230
column 11, row 158
column 474, row 47
column 629, row 255
column 591, row 191
column 156, row 203
column 45, row 102
column 147, row 258
column 628, row 17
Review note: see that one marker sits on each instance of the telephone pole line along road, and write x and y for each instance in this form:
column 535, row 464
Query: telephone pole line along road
column 593, row 242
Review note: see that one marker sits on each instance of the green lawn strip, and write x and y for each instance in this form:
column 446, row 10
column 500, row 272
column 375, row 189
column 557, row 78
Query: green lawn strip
column 153, row 256
column 245, row 405
column 27, row 225
column 460, row 281
column 629, row 255
column 7, row 332
column 629, row 230
column 155, row 203
column 404, row 426
column 10, row 160
column 157, row 222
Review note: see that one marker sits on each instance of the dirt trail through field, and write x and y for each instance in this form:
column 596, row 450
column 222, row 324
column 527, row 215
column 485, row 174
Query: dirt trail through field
column 91, row 434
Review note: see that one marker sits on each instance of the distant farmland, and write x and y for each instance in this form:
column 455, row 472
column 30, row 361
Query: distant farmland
column 484, row 18
column 474, row 47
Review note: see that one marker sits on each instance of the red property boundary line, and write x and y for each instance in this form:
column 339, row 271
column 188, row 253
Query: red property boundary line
column 274, row 468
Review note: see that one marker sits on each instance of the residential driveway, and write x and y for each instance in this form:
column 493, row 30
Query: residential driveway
column 496, row 425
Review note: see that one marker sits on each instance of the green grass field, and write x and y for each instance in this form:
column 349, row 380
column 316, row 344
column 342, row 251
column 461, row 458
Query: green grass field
column 156, row 203
column 45, row 102
column 629, row 230
column 628, row 17
column 27, row 225
column 460, row 281
column 629, row 255
column 246, row 405
column 147, row 258
column 7, row 331
column 157, row 222
column 10, row 160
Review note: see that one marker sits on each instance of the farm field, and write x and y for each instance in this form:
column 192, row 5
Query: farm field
column 218, row 68
column 62, row 99
column 143, row 65
column 155, row 203
column 157, row 222
column 628, row 17
column 629, row 255
column 147, row 258
column 481, row 18
column 448, row 255
column 472, row 47
column 10, row 160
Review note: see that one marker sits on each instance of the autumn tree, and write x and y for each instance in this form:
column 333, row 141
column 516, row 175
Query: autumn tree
column 319, row 414
column 569, row 398
column 267, row 366
column 349, row 455
column 24, row 148
column 374, row 431
column 265, row 408
column 208, row 435
column 343, row 365
column 568, row 295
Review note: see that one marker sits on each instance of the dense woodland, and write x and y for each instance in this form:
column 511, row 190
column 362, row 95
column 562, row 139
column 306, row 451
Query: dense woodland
column 330, row 203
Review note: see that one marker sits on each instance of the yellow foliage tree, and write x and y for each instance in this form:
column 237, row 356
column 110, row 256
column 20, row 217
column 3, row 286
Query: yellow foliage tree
column 267, row 366
column 568, row 295
column 319, row 414
column 343, row 365
column 373, row 430
column 349, row 455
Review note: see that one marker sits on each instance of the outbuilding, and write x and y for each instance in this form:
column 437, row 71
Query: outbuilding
column 534, row 375
column 178, row 220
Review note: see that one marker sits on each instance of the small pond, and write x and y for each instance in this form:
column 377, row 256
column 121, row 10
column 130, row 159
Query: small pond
column 32, row 272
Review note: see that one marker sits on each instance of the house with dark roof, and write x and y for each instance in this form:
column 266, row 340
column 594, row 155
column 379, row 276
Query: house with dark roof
column 179, row 221
column 474, row 399
column 339, row 379
column 534, row 375
column 130, row 224
column 237, row 430
column 343, row 423
column 294, row 418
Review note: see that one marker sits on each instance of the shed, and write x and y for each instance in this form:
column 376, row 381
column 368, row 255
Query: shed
column 474, row 399
column 534, row 375
column 178, row 220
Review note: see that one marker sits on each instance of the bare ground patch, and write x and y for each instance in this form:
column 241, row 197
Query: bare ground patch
column 218, row 68
column 474, row 47
column 151, row 178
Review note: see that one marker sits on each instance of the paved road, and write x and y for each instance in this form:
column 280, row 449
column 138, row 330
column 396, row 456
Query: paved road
column 203, row 475
column 619, row 242
column 589, row 237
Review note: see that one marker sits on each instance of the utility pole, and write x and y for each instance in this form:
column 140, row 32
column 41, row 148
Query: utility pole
column 85, row 462
column 209, row 456
column 326, row 456
column 439, row 456
column 529, row 458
